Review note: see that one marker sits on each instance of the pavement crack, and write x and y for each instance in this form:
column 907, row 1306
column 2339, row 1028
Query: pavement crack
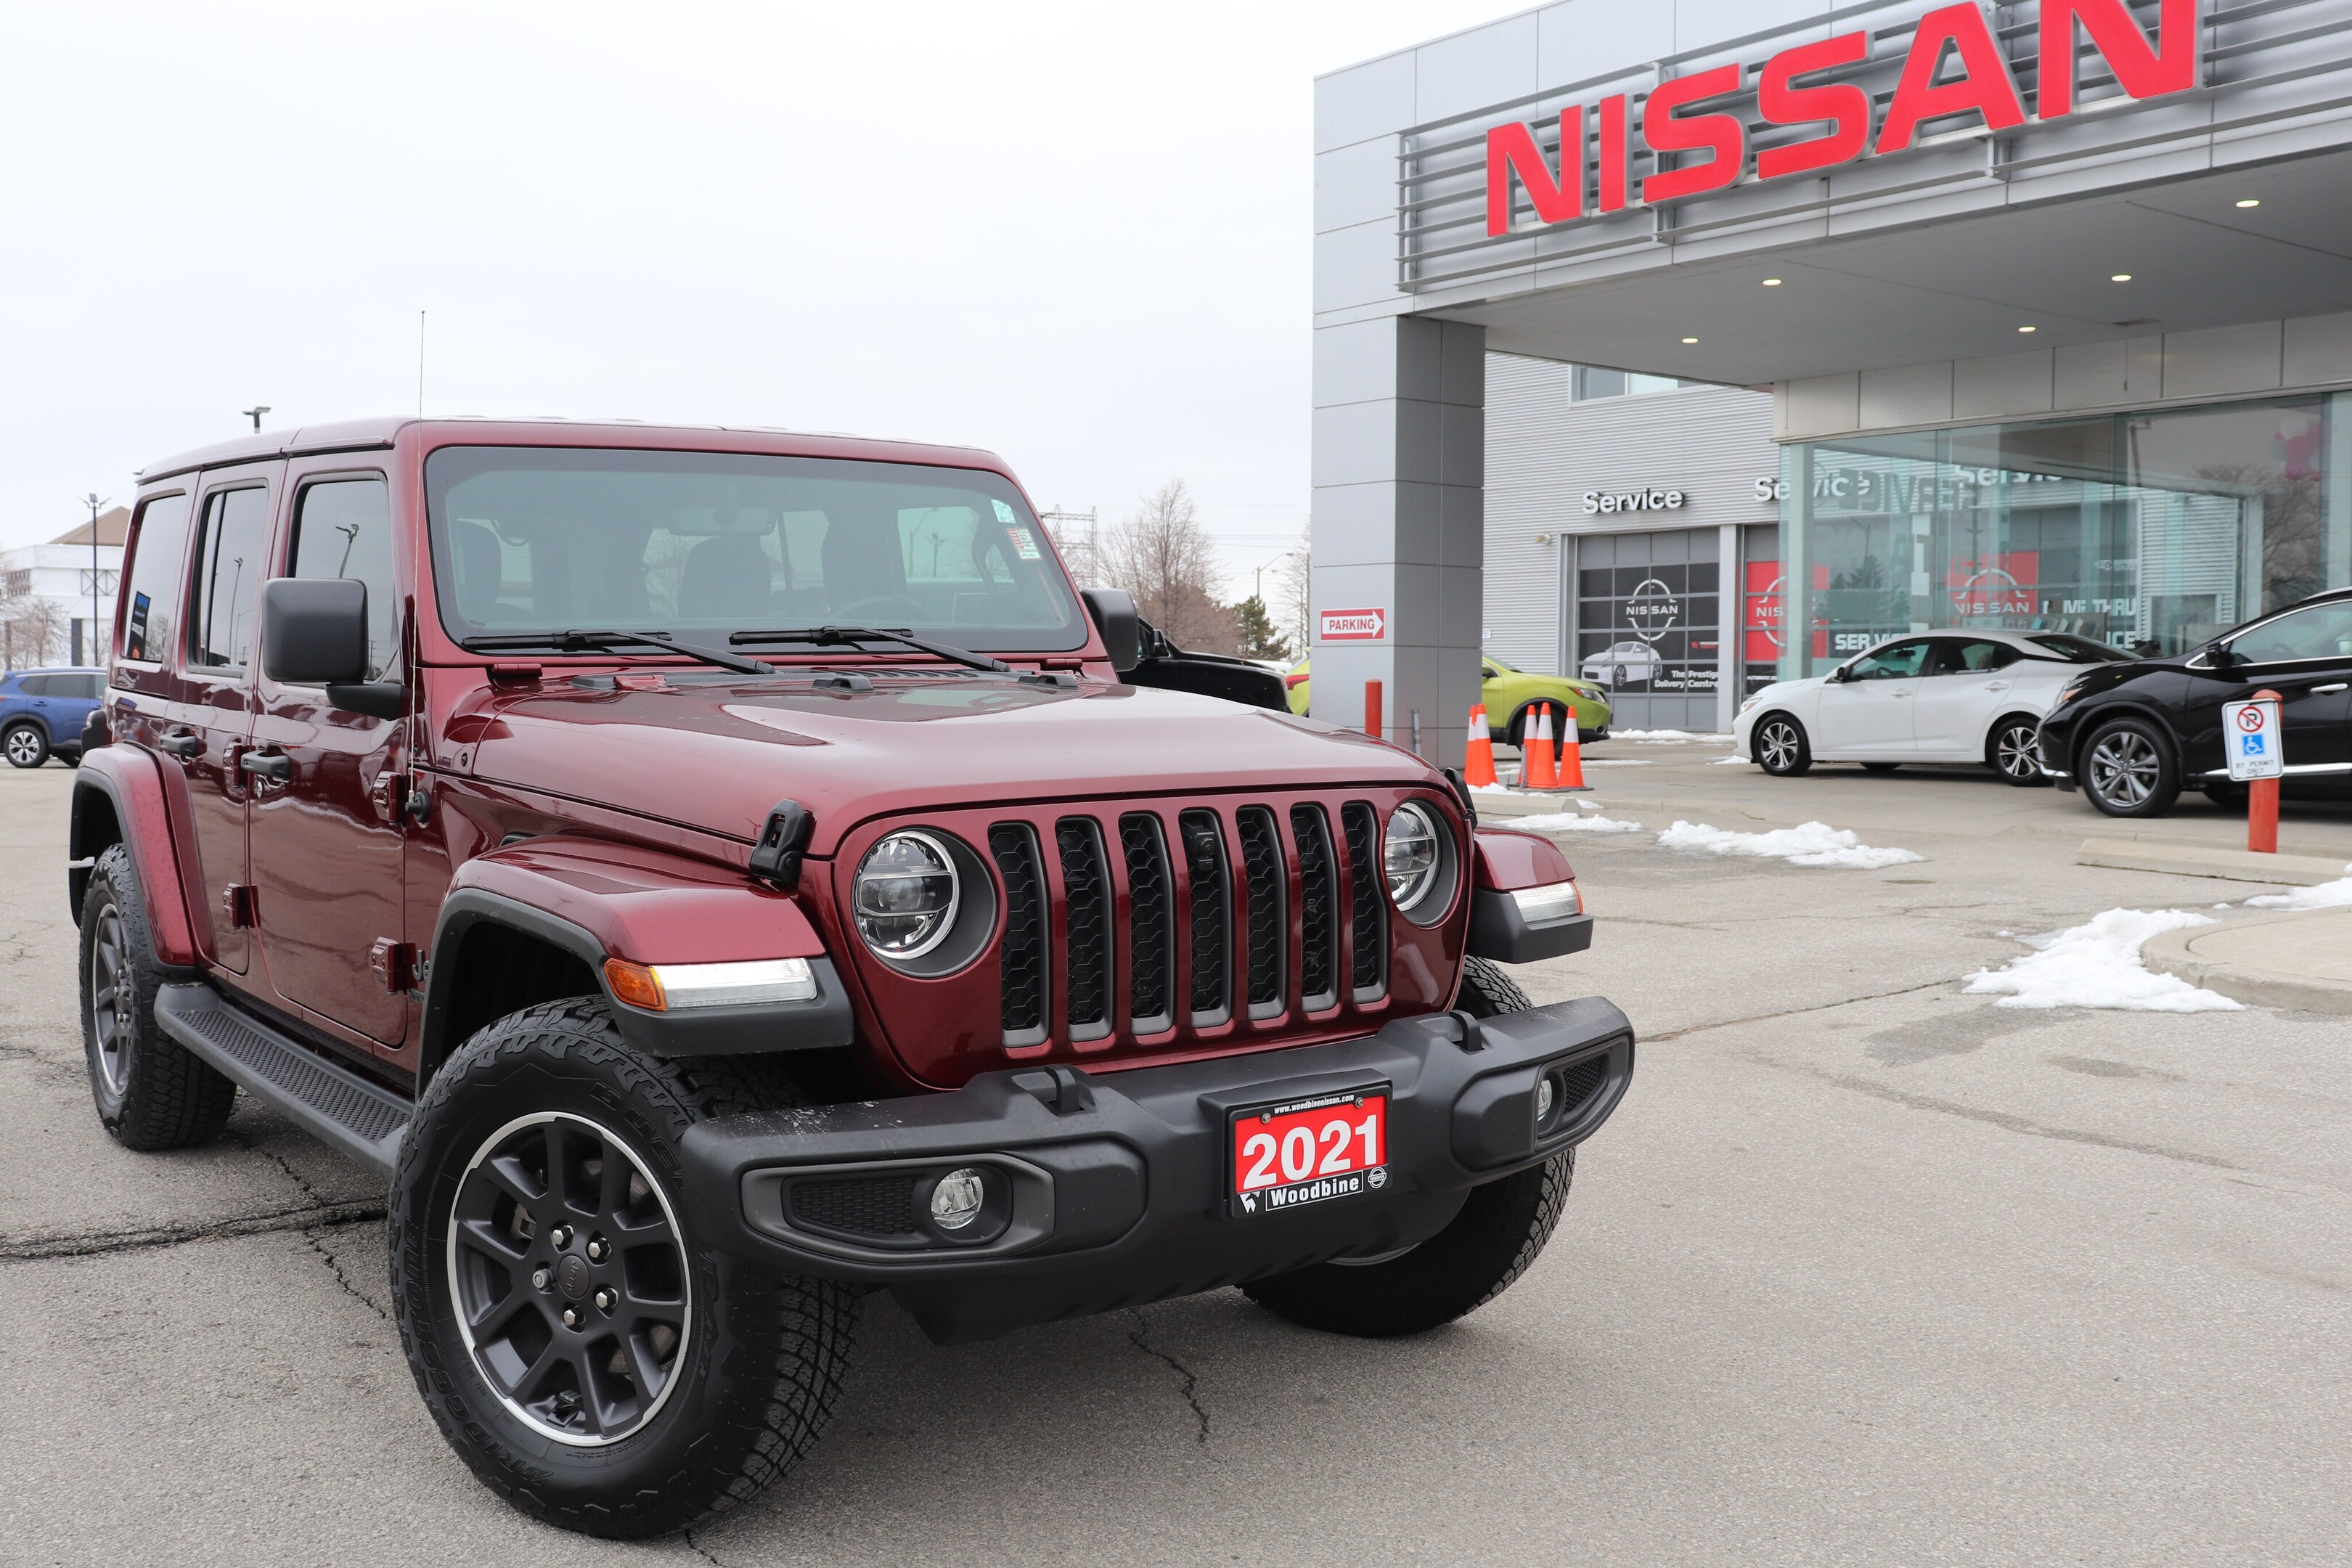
column 701, row 1551
column 315, row 1238
column 1793, row 1012
column 96, row 1244
column 1190, row 1381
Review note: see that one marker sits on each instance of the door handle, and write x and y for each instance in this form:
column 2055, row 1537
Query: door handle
column 181, row 744
column 2333, row 686
column 274, row 766
column 1996, row 686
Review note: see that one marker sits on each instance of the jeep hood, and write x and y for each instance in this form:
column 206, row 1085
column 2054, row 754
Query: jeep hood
column 718, row 754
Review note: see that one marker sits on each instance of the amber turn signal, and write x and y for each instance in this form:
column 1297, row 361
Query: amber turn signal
column 634, row 984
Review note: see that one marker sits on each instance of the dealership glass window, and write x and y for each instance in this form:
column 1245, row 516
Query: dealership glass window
column 2146, row 532
column 1645, row 610
column 1760, row 619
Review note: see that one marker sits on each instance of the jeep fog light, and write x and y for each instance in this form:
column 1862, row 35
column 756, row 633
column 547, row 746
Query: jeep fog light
column 956, row 1201
column 1553, row 901
column 1545, row 1095
column 676, row 987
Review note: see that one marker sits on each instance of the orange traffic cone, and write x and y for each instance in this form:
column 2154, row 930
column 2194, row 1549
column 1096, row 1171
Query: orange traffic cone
column 1478, row 762
column 1536, row 771
column 1570, row 773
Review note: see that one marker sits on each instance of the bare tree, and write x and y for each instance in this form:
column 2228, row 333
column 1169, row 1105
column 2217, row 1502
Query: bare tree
column 1293, row 590
column 1162, row 555
column 29, row 625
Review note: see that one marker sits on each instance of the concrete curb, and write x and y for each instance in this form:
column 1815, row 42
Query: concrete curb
column 2217, row 958
column 2188, row 860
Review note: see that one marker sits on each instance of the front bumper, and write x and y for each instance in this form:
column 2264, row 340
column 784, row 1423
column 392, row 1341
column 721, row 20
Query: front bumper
column 1113, row 1187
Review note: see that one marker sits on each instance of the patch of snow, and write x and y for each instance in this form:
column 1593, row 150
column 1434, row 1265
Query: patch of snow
column 1807, row 844
column 1589, row 805
column 1568, row 822
column 1719, row 761
column 2097, row 964
column 2326, row 896
column 1492, row 789
column 1661, row 736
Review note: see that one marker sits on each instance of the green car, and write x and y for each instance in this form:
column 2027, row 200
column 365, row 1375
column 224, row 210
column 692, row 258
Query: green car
column 1510, row 696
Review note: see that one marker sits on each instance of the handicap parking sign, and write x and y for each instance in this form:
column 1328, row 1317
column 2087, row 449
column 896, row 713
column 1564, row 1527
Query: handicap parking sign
column 2250, row 739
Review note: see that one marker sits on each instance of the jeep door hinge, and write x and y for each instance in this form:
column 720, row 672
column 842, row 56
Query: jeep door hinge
column 394, row 964
column 236, row 905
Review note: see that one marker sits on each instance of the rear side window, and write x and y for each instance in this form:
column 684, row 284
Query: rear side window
column 157, row 555
column 342, row 528
column 229, row 561
column 1975, row 655
column 34, row 686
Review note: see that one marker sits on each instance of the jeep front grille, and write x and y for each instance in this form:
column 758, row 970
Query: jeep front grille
column 1103, row 943
column 1086, row 883
column 1020, row 960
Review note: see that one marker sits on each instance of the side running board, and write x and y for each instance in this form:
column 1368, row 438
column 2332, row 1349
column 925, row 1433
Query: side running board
column 339, row 1108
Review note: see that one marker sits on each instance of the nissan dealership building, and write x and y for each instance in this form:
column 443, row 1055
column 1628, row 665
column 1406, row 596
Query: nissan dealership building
column 1687, row 343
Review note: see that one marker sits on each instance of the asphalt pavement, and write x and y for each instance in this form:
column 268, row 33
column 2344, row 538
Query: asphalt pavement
column 1864, row 1271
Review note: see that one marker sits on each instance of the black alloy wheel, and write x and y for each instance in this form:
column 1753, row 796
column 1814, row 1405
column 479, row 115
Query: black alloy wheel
column 589, row 1355
column 152, row 1092
column 2128, row 770
column 2013, row 750
column 570, row 1279
column 1779, row 746
column 25, row 746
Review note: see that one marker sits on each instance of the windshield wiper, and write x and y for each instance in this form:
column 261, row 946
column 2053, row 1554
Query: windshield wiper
column 850, row 637
column 585, row 642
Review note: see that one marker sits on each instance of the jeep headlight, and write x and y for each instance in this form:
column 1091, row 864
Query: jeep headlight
column 906, row 894
column 1409, row 856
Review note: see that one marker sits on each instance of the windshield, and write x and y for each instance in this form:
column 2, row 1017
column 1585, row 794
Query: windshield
column 2080, row 650
column 702, row 544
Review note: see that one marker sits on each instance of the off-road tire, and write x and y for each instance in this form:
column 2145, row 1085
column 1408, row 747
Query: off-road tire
column 151, row 1091
column 2012, row 750
column 1783, row 758
column 2128, row 769
column 24, row 745
column 1499, row 1233
column 764, row 1362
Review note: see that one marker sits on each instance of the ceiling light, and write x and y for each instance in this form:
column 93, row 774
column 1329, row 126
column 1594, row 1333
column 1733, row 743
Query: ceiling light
column 1771, row 283
column 2118, row 276
column 2025, row 329
column 2251, row 202
column 1690, row 340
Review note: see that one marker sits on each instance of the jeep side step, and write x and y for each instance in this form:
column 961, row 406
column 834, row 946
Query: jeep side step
column 339, row 1108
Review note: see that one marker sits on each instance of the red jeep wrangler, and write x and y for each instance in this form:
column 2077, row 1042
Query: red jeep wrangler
column 714, row 874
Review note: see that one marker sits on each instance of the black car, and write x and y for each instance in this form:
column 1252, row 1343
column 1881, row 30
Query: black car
column 2133, row 736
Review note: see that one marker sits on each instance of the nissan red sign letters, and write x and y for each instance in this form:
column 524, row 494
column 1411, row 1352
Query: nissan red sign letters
column 1955, row 66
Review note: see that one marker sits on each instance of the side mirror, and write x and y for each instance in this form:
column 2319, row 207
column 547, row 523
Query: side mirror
column 2221, row 656
column 1113, row 610
column 314, row 632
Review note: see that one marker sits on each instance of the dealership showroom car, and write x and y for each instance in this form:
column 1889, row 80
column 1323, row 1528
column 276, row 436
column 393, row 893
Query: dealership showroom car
column 1624, row 664
column 1940, row 696
column 2132, row 738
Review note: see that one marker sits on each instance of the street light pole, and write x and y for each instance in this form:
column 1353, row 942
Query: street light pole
column 93, row 501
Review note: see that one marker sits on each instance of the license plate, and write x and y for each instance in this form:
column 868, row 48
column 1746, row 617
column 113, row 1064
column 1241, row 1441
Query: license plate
column 1310, row 1151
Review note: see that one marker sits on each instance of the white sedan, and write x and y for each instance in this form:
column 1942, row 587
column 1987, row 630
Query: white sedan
column 1936, row 697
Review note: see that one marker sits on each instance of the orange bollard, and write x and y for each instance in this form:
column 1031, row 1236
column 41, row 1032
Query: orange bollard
column 2262, row 816
column 1372, row 708
column 1570, row 773
column 1536, row 771
column 2262, row 799
column 1478, row 761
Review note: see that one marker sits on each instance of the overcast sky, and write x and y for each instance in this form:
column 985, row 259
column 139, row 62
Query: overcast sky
column 1077, row 234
